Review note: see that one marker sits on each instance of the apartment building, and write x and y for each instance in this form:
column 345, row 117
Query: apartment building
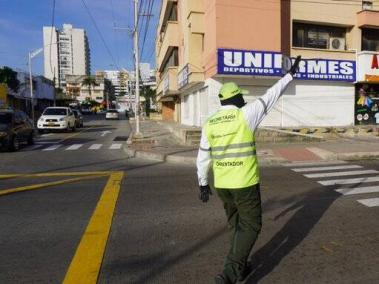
column 119, row 80
column 78, row 90
column 66, row 52
column 202, row 44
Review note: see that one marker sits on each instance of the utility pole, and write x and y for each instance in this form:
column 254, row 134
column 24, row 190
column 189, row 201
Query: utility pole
column 136, row 54
column 55, row 100
column 31, row 86
column 31, row 56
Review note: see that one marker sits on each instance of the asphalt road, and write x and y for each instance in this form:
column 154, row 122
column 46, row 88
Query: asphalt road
column 60, row 198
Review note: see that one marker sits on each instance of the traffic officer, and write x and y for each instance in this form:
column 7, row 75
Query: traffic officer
column 228, row 146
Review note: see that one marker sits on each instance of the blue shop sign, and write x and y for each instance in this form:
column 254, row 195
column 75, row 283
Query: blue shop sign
column 266, row 63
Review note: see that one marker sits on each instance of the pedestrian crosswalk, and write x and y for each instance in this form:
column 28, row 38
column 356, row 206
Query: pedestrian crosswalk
column 346, row 179
column 73, row 147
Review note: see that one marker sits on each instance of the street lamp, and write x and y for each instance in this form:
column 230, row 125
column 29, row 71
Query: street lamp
column 32, row 55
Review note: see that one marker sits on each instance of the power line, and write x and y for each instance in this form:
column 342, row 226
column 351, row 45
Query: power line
column 101, row 36
column 150, row 9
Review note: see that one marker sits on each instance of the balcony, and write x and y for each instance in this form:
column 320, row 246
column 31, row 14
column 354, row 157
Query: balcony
column 168, row 86
column 169, row 40
column 368, row 19
column 189, row 76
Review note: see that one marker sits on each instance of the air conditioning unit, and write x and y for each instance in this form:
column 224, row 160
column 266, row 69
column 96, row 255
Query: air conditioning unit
column 337, row 43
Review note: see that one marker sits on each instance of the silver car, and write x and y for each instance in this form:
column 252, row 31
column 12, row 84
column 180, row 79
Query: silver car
column 112, row 114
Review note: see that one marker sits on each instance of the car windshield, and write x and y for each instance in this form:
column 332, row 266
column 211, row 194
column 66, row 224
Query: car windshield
column 112, row 111
column 55, row 111
column 5, row 118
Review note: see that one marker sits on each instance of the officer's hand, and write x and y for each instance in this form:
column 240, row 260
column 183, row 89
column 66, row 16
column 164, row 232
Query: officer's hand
column 205, row 191
column 295, row 66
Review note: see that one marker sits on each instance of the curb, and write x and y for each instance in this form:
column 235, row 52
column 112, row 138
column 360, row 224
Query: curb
column 187, row 160
column 143, row 154
column 358, row 156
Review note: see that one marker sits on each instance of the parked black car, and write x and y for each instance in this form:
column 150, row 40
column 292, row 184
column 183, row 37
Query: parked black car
column 15, row 128
column 78, row 118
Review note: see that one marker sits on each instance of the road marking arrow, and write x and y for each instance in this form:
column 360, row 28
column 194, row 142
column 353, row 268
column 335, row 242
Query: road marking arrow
column 105, row 133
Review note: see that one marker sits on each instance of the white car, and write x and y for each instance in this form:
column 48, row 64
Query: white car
column 112, row 114
column 58, row 118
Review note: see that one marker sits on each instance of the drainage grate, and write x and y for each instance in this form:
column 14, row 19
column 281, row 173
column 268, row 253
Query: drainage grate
column 121, row 138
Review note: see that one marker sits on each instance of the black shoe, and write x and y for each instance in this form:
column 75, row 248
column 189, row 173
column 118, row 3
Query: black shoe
column 220, row 279
column 245, row 272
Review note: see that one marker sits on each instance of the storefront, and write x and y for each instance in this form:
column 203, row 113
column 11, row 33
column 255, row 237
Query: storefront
column 367, row 89
column 322, row 93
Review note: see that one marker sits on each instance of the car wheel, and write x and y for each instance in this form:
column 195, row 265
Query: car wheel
column 73, row 128
column 41, row 131
column 14, row 144
column 31, row 139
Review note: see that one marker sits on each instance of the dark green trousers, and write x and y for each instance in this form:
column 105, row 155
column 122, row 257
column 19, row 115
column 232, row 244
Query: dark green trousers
column 244, row 212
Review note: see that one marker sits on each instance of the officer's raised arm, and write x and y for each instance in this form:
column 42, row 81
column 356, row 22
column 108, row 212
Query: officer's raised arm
column 257, row 110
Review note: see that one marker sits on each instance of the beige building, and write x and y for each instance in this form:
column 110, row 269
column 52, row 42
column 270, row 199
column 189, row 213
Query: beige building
column 202, row 44
column 76, row 89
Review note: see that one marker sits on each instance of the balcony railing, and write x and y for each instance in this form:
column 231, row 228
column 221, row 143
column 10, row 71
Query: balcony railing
column 188, row 76
column 170, row 81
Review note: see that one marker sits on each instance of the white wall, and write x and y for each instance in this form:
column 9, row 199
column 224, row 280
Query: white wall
column 79, row 52
column 194, row 107
column 304, row 103
column 319, row 103
column 49, row 45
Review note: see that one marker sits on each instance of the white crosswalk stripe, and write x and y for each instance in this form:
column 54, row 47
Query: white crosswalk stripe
column 115, row 146
column 52, row 147
column 313, row 164
column 348, row 181
column 351, row 185
column 329, row 168
column 74, row 147
column 95, row 146
column 370, row 202
column 358, row 190
column 339, row 174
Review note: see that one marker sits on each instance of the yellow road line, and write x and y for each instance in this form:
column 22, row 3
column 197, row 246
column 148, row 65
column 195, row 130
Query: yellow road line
column 47, row 184
column 55, row 174
column 86, row 264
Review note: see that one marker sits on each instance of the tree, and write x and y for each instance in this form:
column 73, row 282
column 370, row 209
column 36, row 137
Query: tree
column 9, row 77
column 109, row 91
column 149, row 95
column 90, row 82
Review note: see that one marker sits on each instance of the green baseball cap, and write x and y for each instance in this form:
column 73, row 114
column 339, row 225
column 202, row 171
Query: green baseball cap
column 229, row 90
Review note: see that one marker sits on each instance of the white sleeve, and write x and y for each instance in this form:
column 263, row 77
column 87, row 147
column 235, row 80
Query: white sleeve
column 257, row 110
column 203, row 162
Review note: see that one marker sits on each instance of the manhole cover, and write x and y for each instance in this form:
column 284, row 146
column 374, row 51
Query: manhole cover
column 121, row 138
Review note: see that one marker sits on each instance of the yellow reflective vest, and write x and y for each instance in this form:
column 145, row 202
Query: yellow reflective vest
column 233, row 151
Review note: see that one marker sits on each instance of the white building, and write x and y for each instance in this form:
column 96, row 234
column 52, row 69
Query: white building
column 66, row 52
column 119, row 80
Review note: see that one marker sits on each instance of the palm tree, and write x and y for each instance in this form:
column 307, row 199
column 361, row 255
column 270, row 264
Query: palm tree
column 90, row 82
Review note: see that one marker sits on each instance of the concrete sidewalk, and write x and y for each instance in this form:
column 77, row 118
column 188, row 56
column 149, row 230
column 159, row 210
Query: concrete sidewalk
column 160, row 142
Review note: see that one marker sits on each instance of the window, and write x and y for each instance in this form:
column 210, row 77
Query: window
column 173, row 60
column 370, row 39
column 173, row 14
column 317, row 36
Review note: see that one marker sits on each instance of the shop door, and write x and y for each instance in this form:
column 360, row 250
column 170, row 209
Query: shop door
column 168, row 110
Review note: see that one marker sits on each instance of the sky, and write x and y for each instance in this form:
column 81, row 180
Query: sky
column 21, row 23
